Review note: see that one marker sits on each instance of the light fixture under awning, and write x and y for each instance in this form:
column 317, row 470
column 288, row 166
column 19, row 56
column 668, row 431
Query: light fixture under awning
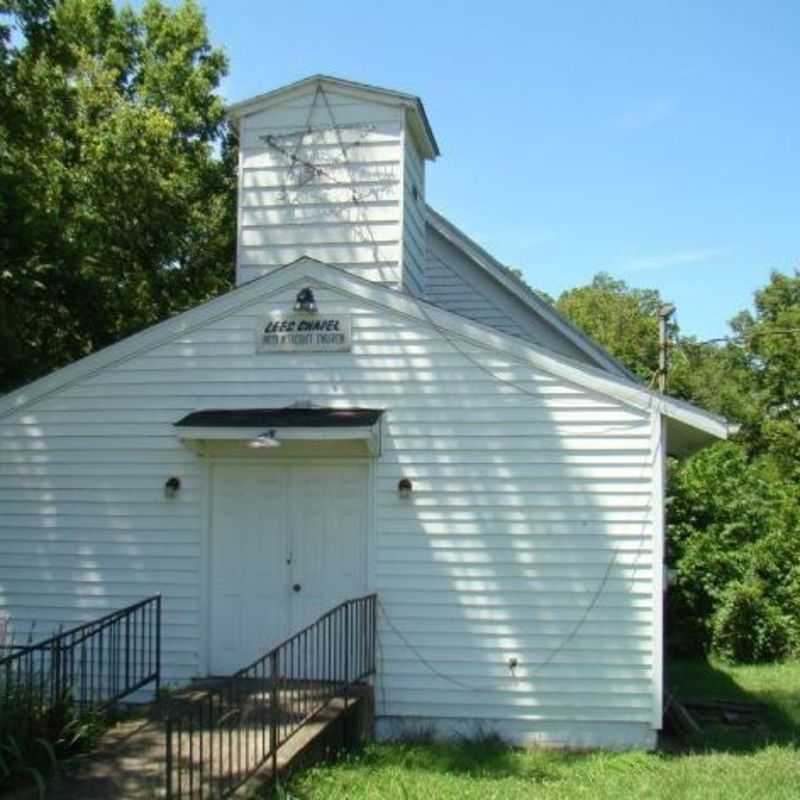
column 289, row 424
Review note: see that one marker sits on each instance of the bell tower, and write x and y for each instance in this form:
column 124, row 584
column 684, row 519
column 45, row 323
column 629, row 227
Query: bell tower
column 334, row 170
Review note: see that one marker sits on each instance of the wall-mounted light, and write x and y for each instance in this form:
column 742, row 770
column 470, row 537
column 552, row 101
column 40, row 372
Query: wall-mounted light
column 172, row 487
column 305, row 301
column 404, row 488
column 266, row 439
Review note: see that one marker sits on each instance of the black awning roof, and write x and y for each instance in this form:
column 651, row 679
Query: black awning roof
column 281, row 417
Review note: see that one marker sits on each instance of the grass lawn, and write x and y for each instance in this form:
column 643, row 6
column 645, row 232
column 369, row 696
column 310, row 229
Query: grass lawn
column 758, row 763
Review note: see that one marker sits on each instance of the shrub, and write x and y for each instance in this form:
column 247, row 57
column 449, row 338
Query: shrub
column 734, row 541
column 748, row 627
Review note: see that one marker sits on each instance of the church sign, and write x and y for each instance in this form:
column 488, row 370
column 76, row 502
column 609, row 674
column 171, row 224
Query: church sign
column 305, row 333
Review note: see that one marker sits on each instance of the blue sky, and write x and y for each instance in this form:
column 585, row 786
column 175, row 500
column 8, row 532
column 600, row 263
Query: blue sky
column 657, row 141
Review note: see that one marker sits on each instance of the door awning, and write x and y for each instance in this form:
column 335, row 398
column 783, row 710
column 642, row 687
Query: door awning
column 287, row 424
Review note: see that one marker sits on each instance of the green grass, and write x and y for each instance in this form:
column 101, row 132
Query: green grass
column 763, row 762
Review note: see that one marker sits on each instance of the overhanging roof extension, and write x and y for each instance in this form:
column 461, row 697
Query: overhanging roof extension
column 291, row 417
column 291, row 424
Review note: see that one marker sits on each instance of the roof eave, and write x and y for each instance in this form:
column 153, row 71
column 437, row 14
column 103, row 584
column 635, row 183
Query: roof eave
column 690, row 428
column 411, row 103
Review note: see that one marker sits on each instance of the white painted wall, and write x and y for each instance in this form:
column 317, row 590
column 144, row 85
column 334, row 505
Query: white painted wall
column 520, row 503
column 414, row 233
column 351, row 212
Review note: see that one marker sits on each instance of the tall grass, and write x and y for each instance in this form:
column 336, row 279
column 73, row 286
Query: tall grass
column 37, row 732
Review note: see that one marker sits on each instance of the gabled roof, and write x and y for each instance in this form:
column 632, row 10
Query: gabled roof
column 506, row 278
column 699, row 425
column 412, row 104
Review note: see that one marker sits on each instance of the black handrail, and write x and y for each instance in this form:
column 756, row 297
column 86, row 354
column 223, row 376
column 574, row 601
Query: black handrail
column 220, row 737
column 89, row 667
column 85, row 626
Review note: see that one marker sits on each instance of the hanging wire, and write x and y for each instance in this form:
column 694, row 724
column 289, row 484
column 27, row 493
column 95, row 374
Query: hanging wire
column 421, row 306
column 576, row 629
column 613, row 560
column 609, row 567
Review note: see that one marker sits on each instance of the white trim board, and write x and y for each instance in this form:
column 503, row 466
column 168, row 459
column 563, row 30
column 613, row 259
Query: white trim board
column 659, row 476
column 370, row 435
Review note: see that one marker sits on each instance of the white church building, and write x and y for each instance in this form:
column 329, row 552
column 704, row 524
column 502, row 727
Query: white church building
column 378, row 406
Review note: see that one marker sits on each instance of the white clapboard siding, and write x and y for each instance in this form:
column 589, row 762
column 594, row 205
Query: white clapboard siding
column 529, row 533
column 450, row 278
column 454, row 281
column 323, row 174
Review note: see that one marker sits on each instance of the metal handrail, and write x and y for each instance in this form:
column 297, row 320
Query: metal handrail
column 295, row 636
column 220, row 738
column 85, row 626
column 88, row 667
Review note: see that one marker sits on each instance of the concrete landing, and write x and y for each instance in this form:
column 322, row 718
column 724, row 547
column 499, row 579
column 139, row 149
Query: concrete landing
column 130, row 759
column 128, row 762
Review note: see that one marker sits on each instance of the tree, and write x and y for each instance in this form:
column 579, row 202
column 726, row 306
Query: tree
column 621, row 319
column 624, row 320
column 771, row 339
column 117, row 210
column 735, row 519
column 734, row 540
column 714, row 376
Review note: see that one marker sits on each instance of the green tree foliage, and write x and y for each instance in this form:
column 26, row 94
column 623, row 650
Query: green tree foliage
column 735, row 519
column 618, row 317
column 753, row 379
column 624, row 320
column 117, row 176
column 771, row 337
column 716, row 376
column 734, row 540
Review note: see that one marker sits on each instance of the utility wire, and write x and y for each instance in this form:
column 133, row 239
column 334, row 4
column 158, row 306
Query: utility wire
column 744, row 337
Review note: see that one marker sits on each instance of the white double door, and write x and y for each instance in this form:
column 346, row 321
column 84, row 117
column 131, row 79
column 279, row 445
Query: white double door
column 288, row 543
